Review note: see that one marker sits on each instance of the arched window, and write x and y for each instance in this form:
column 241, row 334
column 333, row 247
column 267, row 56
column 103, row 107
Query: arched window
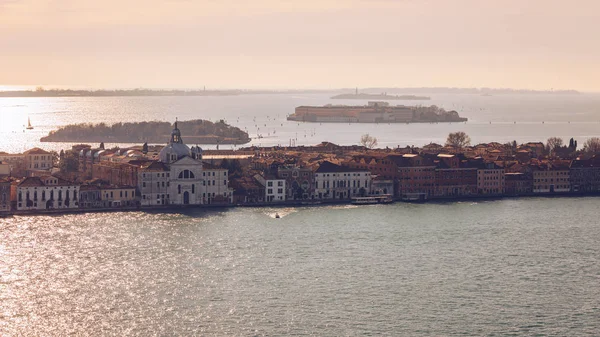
column 186, row 174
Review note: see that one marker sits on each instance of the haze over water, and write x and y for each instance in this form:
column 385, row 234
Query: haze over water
column 564, row 116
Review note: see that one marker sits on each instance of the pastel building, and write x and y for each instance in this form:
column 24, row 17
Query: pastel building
column 44, row 193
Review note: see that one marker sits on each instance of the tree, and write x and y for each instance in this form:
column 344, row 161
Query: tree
column 458, row 140
column 368, row 141
column 553, row 143
column 70, row 162
column 592, row 145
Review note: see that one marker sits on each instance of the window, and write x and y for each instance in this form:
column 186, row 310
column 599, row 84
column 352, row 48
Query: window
column 270, row 183
column 280, row 183
column 186, row 174
column 270, row 191
column 179, row 189
column 280, row 190
column 144, row 184
column 193, row 188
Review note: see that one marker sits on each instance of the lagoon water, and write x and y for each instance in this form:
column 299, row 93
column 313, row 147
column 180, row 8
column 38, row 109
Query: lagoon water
column 499, row 268
column 491, row 118
column 494, row 268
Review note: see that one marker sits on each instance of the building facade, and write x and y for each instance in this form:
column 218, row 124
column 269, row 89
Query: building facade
column 490, row 179
column 4, row 196
column 45, row 193
column 333, row 181
column 275, row 188
column 299, row 182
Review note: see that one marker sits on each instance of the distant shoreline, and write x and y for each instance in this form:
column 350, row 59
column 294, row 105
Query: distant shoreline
column 117, row 93
column 370, row 93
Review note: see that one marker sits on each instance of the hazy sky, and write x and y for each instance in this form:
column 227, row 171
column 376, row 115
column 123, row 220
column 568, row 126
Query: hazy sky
column 534, row 44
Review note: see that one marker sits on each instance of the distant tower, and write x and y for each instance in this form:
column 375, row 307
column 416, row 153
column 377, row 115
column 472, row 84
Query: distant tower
column 356, row 91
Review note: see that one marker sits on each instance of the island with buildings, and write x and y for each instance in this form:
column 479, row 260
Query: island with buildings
column 197, row 131
column 374, row 112
column 86, row 178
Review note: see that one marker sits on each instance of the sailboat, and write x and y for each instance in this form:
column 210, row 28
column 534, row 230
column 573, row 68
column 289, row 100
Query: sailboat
column 29, row 127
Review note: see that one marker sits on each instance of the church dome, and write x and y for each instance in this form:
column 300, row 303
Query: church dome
column 175, row 150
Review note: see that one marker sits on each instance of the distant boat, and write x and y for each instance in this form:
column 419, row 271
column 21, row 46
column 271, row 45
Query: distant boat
column 29, row 127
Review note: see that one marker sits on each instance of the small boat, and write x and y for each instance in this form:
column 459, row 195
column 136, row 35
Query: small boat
column 29, row 127
column 277, row 216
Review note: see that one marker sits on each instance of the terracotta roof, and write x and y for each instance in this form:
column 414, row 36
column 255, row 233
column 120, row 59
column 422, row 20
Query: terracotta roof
column 36, row 150
column 328, row 166
column 38, row 182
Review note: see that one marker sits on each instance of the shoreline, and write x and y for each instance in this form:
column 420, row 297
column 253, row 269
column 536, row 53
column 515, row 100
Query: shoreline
column 319, row 203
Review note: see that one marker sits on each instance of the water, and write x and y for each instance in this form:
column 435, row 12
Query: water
column 564, row 116
column 498, row 268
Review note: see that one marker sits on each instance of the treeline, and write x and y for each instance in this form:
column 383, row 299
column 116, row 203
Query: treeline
column 193, row 132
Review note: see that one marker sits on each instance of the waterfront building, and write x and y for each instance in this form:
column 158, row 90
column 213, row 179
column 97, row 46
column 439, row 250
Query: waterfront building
column 490, row 179
column 380, row 185
column 274, row 187
column 191, row 181
column 89, row 196
column 154, row 183
column 416, row 176
column 551, row 177
column 299, row 182
column 333, row 181
column 454, row 177
column 44, row 193
column 215, row 185
column 118, row 196
column 518, row 183
column 4, row 195
column 246, row 190
column 585, row 175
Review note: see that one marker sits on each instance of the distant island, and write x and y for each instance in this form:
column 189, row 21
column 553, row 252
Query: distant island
column 477, row 91
column 381, row 96
column 374, row 112
column 41, row 92
column 196, row 131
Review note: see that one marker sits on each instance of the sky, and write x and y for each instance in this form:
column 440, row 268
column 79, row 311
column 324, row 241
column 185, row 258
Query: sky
column 285, row 44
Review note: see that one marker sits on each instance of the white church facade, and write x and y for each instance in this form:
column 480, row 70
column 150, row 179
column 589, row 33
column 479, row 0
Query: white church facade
column 189, row 180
